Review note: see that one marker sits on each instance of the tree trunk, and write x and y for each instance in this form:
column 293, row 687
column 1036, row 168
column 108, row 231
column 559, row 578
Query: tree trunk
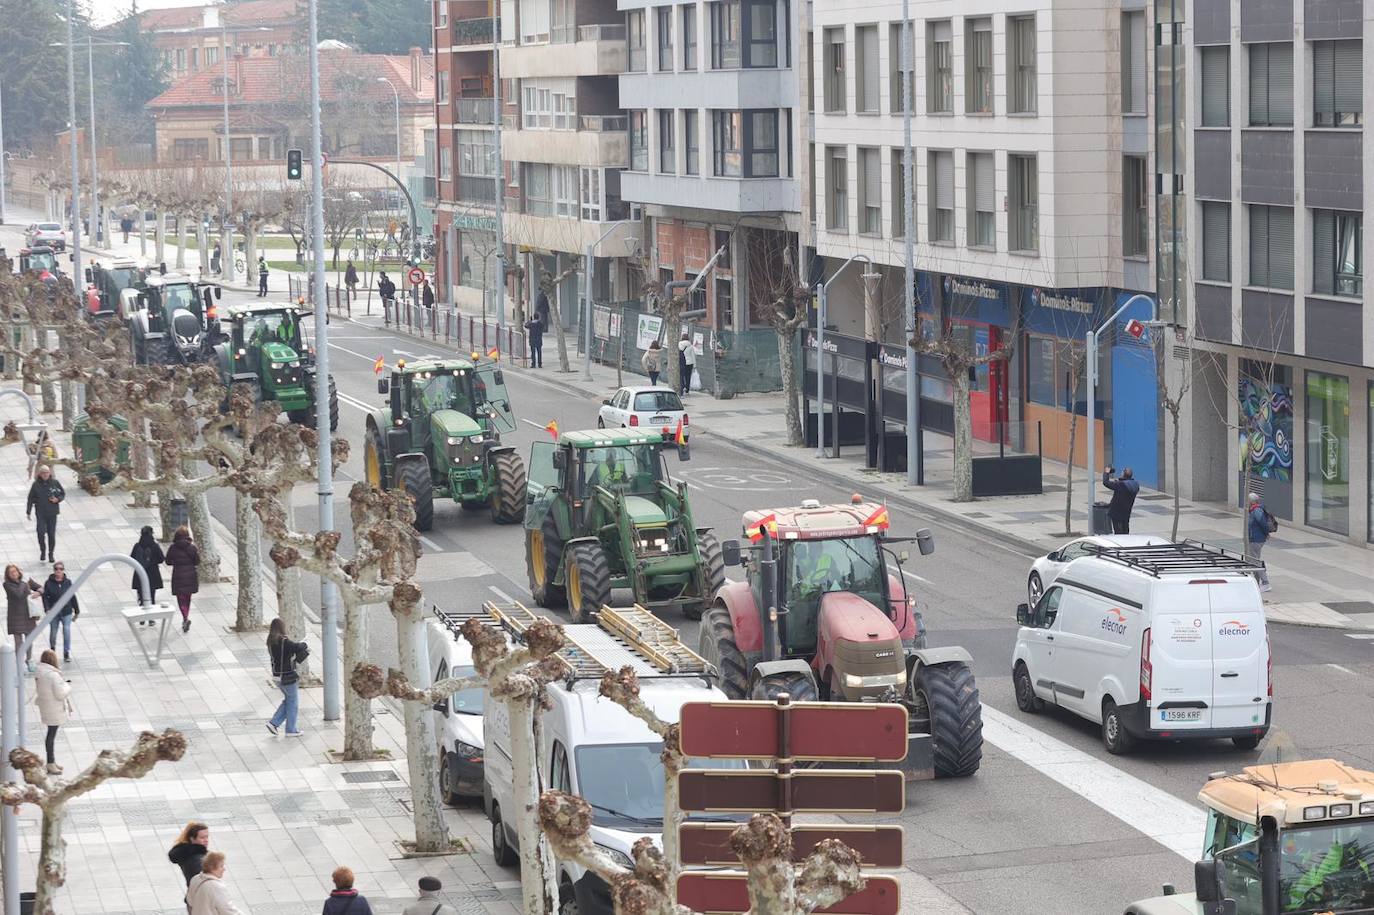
column 49, row 386
column 226, row 251
column 52, row 858
column 199, row 510
column 159, row 236
column 963, row 439
column 671, row 331
column 30, row 339
column 183, row 239
column 357, row 710
column 250, row 253
column 289, row 605
column 142, row 229
column 142, row 463
column 1173, row 477
column 556, row 317
column 791, row 385
column 536, row 858
column 1068, row 477
column 431, row 832
column 248, row 613
column 68, row 388
column 203, row 243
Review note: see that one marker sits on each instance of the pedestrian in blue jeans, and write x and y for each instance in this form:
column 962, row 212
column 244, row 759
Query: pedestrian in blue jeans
column 285, row 655
column 57, row 585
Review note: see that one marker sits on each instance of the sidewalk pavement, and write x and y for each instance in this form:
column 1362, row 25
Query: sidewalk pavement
column 283, row 814
column 1317, row 581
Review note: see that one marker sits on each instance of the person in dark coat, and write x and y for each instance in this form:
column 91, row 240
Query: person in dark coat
column 147, row 553
column 427, row 295
column 385, row 288
column 18, row 622
column 534, row 333
column 541, row 309
column 345, row 900
column 351, row 280
column 262, row 277
column 1124, row 490
column 284, row 655
column 45, row 500
column 57, row 585
column 183, row 557
column 190, row 848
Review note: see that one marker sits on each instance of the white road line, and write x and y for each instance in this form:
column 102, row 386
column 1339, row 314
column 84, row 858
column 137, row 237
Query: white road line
column 915, row 576
column 333, row 345
column 545, row 428
column 1173, row 823
column 431, row 544
column 354, row 402
column 1359, row 635
column 1344, row 670
column 501, row 594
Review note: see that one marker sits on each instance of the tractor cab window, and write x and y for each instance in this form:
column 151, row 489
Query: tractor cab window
column 816, row 567
column 272, row 327
column 629, row 470
column 541, row 472
column 489, row 388
column 1326, row 868
column 441, row 391
column 1224, row 832
column 179, row 297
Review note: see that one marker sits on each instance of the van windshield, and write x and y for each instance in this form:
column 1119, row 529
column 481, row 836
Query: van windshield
column 624, row 782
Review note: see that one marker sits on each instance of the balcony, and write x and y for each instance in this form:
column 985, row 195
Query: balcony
column 570, row 234
column 473, row 32
column 762, row 88
column 476, row 189
column 729, row 195
column 604, row 123
column 604, row 149
column 474, row 110
column 588, row 50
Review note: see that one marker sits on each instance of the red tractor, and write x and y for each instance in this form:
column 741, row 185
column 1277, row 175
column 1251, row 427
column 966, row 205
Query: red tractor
column 822, row 615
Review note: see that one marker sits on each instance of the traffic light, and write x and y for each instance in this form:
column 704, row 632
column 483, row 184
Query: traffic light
column 293, row 165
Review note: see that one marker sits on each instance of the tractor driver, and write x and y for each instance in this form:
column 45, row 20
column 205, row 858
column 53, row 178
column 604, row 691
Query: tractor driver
column 813, row 570
column 610, row 470
column 1316, row 868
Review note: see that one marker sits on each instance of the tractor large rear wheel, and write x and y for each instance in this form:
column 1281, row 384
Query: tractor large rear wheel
column 508, row 488
column 307, row 417
column 589, row 581
column 543, row 552
column 159, row 352
column 717, row 645
column 800, row 687
column 712, row 563
column 414, row 477
column 944, row 703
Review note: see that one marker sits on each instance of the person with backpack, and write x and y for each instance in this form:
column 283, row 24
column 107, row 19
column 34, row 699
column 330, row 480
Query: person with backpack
column 1259, row 525
column 284, row 655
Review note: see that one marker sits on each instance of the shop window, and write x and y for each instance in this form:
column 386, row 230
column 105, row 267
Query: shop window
column 1040, row 384
column 1328, row 452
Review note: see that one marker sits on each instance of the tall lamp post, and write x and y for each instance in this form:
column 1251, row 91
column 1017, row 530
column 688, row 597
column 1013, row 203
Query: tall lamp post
column 96, row 227
column 822, row 289
column 2, row 154
column 71, row 138
column 394, row 92
column 226, row 233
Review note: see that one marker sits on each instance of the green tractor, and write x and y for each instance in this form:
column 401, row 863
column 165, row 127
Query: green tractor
column 268, row 351
column 605, row 514
column 440, row 435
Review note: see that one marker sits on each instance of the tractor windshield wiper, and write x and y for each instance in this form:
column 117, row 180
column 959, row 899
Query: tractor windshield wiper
column 643, row 821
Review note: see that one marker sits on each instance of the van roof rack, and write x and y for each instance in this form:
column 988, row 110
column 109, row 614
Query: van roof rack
column 1188, row 557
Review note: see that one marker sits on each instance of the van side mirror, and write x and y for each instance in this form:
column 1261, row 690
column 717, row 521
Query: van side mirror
column 443, row 708
column 730, row 552
column 606, row 401
column 1023, row 614
column 383, row 386
column 925, row 541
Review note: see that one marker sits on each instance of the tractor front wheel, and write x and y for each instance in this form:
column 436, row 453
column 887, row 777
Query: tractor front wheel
column 717, row 644
column 308, row 417
column 508, row 488
column 543, row 550
column 589, row 581
column 414, row 477
column 944, row 703
column 374, row 461
column 800, row 687
column 712, row 573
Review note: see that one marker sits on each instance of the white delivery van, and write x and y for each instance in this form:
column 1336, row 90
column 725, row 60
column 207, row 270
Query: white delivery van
column 591, row 747
column 1160, row 642
column 458, row 719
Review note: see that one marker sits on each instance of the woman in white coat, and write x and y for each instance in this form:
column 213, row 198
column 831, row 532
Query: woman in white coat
column 207, row 893
column 51, row 695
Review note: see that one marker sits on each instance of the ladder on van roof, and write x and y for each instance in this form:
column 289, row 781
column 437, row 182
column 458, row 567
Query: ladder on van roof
column 1189, row 557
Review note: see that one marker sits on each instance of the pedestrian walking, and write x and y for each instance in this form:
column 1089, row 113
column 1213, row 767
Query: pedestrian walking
column 57, row 585
column 652, row 361
column 51, row 690
column 284, row 655
column 126, row 225
column 534, row 333
column 147, row 552
column 351, row 280
column 1124, row 490
column 686, row 361
column 45, row 500
column 21, row 616
column 183, row 557
column 215, row 257
column 541, row 309
column 190, row 848
column 262, row 276
column 345, row 900
column 427, row 295
column 207, row 893
column 387, row 290
column 1259, row 525
column 429, row 902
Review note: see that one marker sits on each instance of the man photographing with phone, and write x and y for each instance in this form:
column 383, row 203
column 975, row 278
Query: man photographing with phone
column 1124, row 490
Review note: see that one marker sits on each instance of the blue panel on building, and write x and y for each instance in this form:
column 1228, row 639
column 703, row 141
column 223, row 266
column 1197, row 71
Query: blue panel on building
column 1135, row 398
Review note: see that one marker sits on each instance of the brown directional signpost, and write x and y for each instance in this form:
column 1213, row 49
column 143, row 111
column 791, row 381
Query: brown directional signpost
column 785, row 732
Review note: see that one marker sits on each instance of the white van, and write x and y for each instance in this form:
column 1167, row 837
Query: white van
column 458, row 719
column 1153, row 642
column 593, row 748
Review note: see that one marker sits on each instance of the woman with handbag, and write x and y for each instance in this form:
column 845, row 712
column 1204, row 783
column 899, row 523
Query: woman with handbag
column 285, row 655
column 51, row 694
column 20, row 615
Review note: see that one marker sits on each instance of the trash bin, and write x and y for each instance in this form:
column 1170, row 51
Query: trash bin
column 180, row 512
column 86, row 444
column 1101, row 524
column 26, row 903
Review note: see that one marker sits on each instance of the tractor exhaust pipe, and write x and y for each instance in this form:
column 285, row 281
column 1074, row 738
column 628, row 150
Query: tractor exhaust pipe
column 768, row 569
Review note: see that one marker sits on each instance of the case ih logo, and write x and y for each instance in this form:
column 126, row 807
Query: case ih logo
column 1234, row 627
column 1115, row 621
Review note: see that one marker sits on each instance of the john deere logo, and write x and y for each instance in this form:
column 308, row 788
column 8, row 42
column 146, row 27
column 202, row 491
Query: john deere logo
column 1115, row 621
column 1234, row 627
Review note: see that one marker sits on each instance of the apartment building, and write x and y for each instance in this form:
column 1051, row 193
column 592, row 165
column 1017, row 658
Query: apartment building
column 1275, row 186
column 1032, row 185
column 195, row 38
column 711, row 92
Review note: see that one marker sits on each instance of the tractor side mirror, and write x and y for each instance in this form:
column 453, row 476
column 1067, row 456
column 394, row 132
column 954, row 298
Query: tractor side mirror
column 684, row 452
column 498, row 378
column 142, row 300
column 383, row 386
column 925, row 541
column 218, row 293
column 560, row 460
column 1023, row 614
column 90, row 276
column 1205, row 877
column 606, row 401
column 730, row 553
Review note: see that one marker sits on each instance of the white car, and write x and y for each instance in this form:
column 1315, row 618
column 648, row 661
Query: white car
column 1047, row 568
column 649, row 407
column 458, row 719
column 46, row 233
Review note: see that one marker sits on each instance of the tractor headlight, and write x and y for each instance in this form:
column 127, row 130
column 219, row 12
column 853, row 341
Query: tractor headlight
column 853, row 681
column 455, row 441
column 476, row 439
column 296, row 364
column 654, row 542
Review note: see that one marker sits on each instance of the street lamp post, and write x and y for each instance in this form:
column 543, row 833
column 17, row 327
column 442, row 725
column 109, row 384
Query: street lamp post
column 2, row 153
column 394, row 92
column 1091, row 339
column 96, row 226
column 226, row 233
column 821, row 290
column 71, row 137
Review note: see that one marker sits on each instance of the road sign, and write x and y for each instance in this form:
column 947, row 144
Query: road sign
column 708, row 844
column 1135, row 328
column 807, row 790
column 834, row 731
column 416, row 276
column 728, row 891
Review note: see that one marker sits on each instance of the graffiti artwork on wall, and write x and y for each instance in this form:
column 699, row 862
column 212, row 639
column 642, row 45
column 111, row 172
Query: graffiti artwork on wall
column 1266, row 436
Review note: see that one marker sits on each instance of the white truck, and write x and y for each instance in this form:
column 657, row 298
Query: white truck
column 591, row 747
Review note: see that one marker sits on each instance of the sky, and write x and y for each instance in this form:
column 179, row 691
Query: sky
column 106, row 11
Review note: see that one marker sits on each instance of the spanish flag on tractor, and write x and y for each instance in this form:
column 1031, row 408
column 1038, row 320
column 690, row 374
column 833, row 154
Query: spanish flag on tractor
column 379, row 365
column 879, row 519
column 494, row 354
column 768, row 522
column 552, row 428
column 680, row 437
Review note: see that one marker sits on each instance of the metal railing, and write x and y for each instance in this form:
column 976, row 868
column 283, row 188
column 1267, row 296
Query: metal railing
column 467, row 334
column 474, row 31
column 474, row 110
column 603, row 123
column 606, row 31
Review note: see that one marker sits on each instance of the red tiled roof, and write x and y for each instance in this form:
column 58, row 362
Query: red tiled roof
column 267, row 80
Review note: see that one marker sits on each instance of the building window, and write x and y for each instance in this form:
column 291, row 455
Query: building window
column 761, row 34
column 639, row 140
column 211, row 56
column 1135, row 207
column 978, row 66
column 1336, row 261
column 181, row 59
column 445, row 163
column 534, row 21
column 866, row 66
column 982, row 195
column 548, row 104
column 188, row 149
column 689, row 37
column 636, row 42
column 834, row 71
column 565, row 186
column 1337, row 84
column 899, row 192
column 441, row 87
column 1041, row 378
column 538, row 192
column 1133, row 62
column 1216, row 87
column 1328, row 452
column 870, row 192
column 762, row 144
column 725, row 303
column 896, row 67
column 664, row 26
column 1271, row 85
column 441, row 11
column 721, row 239
column 1216, row 241
column 836, row 188
column 1271, row 246
column 939, row 67
column 726, row 29
column 1021, row 88
column 195, row 59
column 591, row 194
column 941, row 181
column 691, row 140
column 1023, row 187
column 667, row 151
column 727, row 141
